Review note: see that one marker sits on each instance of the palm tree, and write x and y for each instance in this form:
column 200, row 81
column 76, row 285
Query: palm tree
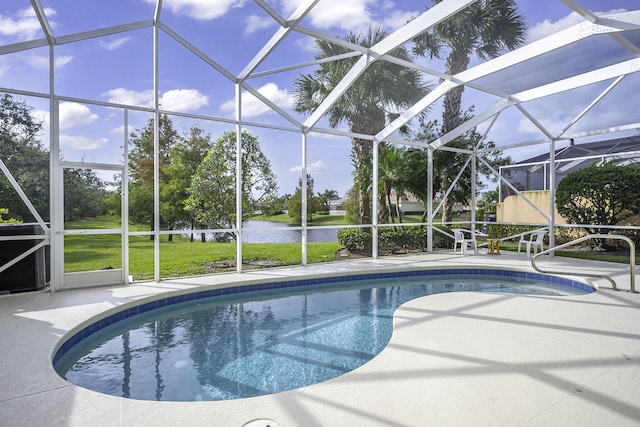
column 367, row 106
column 392, row 177
column 485, row 28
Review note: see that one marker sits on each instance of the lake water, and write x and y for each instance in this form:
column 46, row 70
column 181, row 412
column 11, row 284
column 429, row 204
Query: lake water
column 254, row 232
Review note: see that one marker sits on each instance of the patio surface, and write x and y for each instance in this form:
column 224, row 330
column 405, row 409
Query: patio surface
column 457, row 359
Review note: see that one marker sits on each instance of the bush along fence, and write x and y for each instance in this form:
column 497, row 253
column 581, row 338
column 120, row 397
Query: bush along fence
column 393, row 240
column 390, row 240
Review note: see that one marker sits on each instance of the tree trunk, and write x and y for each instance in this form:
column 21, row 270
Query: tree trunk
column 361, row 158
column 387, row 192
column 457, row 61
column 368, row 121
column 447, row 211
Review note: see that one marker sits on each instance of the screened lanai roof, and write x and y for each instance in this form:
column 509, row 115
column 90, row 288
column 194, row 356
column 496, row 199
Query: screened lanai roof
column 572, row 79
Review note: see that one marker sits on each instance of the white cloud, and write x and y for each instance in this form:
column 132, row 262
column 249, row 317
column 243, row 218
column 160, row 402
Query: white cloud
column 497, row 126
column 24, row 25
column 203, row 10
column 3, row 69
column 130, row 97
column 120, row 130
column 330, row 135
column 314, row 167
column 82, row 142
column 74, row 114
column 255, row 23
column 526, row 126
column 252, row 106
column 553, row 124
column 353, row 15
column 42, row 62
column 114, row 44
column 547, row 27
column 307, row 44
column 397, row 19
column 62, row 60
column 345, row 14
column 182, row 100
column 41, row 116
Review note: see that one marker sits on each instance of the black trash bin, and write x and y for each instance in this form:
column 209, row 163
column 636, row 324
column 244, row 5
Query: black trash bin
column 30, row 273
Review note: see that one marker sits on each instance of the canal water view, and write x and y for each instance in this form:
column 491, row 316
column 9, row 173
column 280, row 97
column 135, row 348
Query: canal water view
column 254, row 232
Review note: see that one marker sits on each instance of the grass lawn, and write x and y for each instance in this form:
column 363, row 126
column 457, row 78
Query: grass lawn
column 181, row 257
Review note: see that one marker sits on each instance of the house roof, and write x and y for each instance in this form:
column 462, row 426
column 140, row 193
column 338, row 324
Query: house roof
column 627, row 148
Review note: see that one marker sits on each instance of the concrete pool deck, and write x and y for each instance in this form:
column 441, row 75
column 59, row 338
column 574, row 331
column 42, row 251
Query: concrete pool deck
column 456, row 359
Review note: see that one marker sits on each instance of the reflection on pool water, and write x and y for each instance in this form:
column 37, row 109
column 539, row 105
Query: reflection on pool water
column 261, row 342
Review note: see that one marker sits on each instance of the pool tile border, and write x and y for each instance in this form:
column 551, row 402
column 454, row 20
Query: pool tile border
column 279, row 284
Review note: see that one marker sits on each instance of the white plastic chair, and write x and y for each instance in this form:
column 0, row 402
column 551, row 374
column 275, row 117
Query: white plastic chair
column 535, row 240
column 459, row 239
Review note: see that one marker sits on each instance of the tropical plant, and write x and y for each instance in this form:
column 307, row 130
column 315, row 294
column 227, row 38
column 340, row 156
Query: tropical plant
column 373, row 99
column 485, row 28
column 393, row 175
column 325, row 197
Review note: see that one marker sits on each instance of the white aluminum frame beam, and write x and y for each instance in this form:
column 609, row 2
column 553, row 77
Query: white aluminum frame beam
column 592, row 104
column 271, row 12
column 42, row 18
column 297, row 16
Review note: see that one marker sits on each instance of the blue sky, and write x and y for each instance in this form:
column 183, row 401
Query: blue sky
column 119, row 69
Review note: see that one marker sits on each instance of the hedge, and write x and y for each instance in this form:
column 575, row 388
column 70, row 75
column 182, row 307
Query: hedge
column 400, row 239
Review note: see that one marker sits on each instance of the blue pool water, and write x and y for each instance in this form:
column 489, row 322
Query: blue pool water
column 254, row 343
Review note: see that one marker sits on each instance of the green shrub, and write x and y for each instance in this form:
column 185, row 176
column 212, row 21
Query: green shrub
column 441, row 241
column 398, row 240
column 401, row 239
column 634, row 235
column 355, row 240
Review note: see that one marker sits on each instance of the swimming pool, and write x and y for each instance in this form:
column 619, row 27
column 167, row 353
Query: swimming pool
column 264, row 338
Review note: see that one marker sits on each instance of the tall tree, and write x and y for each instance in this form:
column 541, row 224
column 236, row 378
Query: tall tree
column 184, row 158
column 141, row 166
column 393, row 177
column 25, row 157
column 212, row 194
column 485, row 28
column 84, row 193
column 367, row 106
column 295, row 202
